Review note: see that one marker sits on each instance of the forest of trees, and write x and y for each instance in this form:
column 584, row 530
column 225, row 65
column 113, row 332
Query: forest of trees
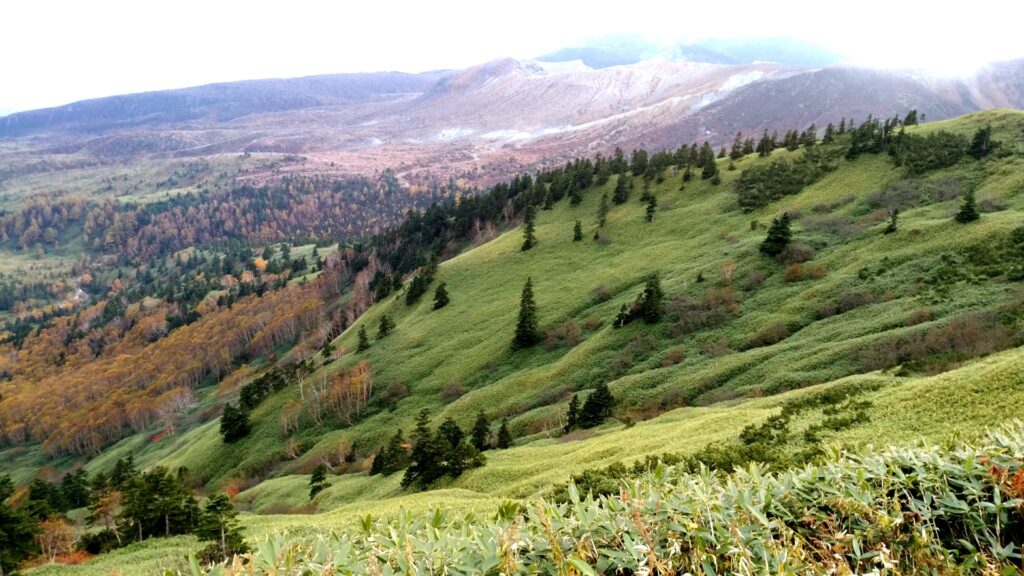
column 124, row 505
column 110, row 389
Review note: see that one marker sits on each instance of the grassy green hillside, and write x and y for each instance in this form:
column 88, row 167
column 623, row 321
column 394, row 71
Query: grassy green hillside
column 457, row 360
column 784, row 331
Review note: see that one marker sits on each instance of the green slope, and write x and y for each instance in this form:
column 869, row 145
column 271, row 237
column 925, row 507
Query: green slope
column 466, row 345
column 720, row 384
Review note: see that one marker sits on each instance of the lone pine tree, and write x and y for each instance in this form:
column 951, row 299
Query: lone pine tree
column 481, row 432
column 577, row 231
column 529, row 239
column 527, row 334
column 622, row 186
column 779, row 235
column 219, row 523
column 504, row 436
column 234, row 423
column 385, row 327
column 710, row 169
column 317, row 480
column 440, row 296
column 652, row 207
column 364, row 340
column 968, row 209
column 597, row 407
column 602, row 211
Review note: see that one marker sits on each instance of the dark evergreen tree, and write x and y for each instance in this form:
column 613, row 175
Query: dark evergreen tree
column 385, row 326
column 451, row 431
column 721, row 152
column 575, row 195
column 577, row 231
column 435, row 455
column 420, row 283
column 779, row 236
column 481, row 432
column 982, row 143
column 830, row 134
column 124, row 469
column 809, row 137
column 911, row 118
column 364, row 340
column 622, row 187
column 710, row 169
column 736, row 152
column 638, row 164
column 156, row 503
column 764, row 145
column 392, row 457
column 441, row 296
column 527, row 333
column 687, row 174
column 74, row 489
column 427, row 451
column 234, row 423
column 968, row 209
column 893, row 215
column 572, row 415
column 649, row 305
column 504, row 436
column 597, row 407
column 602, row 211
column 791, row 141
column 317, row 480
column 17, row 531
column 652, row 207
column 219, row 524
column 529, row 239
column 748, row 146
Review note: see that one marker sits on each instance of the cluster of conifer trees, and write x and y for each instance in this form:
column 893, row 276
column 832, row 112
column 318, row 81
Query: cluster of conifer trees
column 124, row 506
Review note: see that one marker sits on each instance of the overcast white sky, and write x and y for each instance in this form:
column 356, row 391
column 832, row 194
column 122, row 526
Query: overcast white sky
column 53, row 52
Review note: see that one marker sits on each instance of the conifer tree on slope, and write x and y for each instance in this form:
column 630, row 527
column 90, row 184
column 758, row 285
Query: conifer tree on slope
column 504, row 435
column 622, row 186
column 968, row 209
column 597, row 407
column 529, row 239
column 481, row 432
column 441, row 296
column 602, row 211
column 527, row 334
column 779, row 235
column 364, row 340
column 572, row 415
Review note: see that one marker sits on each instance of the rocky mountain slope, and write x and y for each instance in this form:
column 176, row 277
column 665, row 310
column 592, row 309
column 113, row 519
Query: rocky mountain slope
column 481, row 121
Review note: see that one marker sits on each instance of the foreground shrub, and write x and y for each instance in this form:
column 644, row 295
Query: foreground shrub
column 921, row 510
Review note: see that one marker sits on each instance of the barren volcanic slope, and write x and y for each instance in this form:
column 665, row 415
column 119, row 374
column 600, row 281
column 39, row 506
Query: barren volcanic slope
column 483, row 121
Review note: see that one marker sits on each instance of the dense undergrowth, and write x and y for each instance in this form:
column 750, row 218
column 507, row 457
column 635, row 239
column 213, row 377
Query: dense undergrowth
column 925, row 509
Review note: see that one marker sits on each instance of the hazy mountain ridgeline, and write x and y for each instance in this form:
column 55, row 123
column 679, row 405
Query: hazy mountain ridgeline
column 214, row 103
column 472, row 122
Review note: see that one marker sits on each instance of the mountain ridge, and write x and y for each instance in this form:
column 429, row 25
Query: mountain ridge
column 477, row 123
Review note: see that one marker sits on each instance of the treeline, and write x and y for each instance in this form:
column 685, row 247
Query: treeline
column 133, row 372
column 124, row 506
column 763, row 184
column 296, row 207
